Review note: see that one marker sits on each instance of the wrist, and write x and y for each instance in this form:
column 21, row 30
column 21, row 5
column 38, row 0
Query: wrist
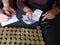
column 6, row 4
column 26, row 9
column 29, row 11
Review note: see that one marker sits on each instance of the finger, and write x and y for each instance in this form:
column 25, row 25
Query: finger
column 44, row 18
column 45, row 14
column 29, row 15
column 6, row 12
column 4, row 19
column 33, row 15
column 13, row 12
column 4, row 9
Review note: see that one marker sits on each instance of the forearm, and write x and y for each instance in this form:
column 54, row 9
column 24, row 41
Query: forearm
column 26, row 9
column 5, row 2
column 22, row 6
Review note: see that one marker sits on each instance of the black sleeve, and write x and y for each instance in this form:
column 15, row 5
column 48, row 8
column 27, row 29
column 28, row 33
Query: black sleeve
column 1, row 4
column 58, row 3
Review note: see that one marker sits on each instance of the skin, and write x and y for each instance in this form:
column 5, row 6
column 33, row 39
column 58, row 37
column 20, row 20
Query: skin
column 8, row 10
column 50, row 14
column 3, row 17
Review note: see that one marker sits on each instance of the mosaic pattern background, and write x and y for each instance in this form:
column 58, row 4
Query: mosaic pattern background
column 21, row 36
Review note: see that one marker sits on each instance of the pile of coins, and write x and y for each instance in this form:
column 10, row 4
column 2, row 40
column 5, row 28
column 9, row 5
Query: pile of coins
column 21, row 36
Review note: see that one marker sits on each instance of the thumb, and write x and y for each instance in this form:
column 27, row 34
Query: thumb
column 29, row 15
column 44, row 18
column 7, row 12
column 45, row 14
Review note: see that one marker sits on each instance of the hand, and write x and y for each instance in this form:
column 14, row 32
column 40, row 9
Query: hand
column 8, row 10
column 29, row 14
column 3, row 17
column 51, row 14
column 28, row 11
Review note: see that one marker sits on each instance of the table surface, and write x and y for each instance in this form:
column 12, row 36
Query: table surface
column 21, row 36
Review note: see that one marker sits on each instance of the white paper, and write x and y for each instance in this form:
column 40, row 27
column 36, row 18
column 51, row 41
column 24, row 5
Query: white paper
column 26, row 19
column 12, row 20
column 37, row 14
column 35, row 17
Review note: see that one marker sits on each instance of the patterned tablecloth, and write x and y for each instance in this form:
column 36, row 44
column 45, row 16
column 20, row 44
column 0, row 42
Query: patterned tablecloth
column 21, row 36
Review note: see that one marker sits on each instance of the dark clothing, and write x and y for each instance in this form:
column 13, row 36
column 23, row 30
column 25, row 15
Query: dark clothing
column 50, row 32
column 20, row 23
column 37, row 4
column 1, row 4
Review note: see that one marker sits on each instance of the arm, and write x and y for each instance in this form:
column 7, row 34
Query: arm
column 5, row 2
column 7, row 8
column 23, row 7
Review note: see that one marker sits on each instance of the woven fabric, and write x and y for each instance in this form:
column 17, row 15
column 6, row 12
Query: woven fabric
column 21, row 36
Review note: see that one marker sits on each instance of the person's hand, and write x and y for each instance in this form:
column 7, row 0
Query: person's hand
column 28, row 11
column 51, row 14
column 3, row 17
column 8, row 10
column 29, row 14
